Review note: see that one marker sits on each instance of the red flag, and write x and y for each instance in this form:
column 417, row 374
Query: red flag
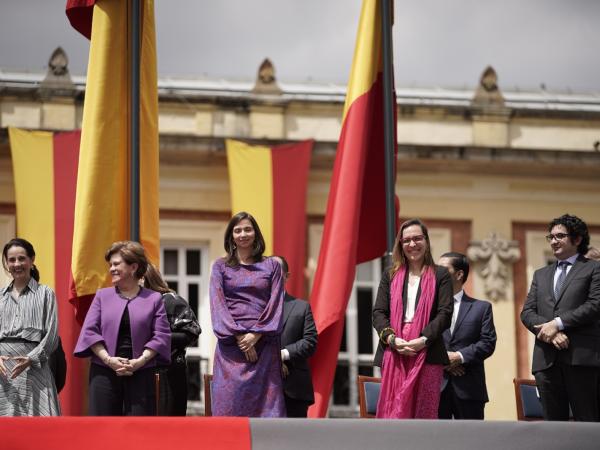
column 354, row 230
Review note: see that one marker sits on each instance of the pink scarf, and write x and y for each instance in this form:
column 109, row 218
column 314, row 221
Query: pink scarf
column 397, row 398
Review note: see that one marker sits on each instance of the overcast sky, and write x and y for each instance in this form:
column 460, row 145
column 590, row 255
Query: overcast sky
column 437, row 43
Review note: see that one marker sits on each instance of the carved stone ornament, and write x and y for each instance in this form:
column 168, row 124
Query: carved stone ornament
column 58, row 80
column 494, row 255
column 266, row 83
column 488, row 95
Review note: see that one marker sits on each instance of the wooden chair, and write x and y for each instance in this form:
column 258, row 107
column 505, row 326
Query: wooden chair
column 529, row 405
column 207, row 394
column 368, row 395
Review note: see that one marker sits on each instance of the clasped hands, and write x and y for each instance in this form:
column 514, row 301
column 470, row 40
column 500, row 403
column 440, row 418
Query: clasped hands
column 550, row 334
column 407, row 348
column 22, row 363
column 246, row 343
column 124, row 367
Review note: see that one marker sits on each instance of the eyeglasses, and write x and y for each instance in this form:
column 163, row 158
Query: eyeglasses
column 416, row 239
column 557, row 236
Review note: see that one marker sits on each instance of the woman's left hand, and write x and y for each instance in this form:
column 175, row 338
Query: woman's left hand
column 251, row 355
column 23, row 362
column 248, row 341
column 412, row 347
column 137, row 363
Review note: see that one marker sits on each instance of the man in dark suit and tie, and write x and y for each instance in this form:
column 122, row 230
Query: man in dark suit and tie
column 563, row 311
column 470, row 339
column 298, row 342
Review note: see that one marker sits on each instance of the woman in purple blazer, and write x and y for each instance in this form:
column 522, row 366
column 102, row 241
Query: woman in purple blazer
column 126, row 332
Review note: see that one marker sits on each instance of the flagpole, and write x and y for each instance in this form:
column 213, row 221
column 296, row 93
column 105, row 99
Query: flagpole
column 389, row 103
column 134, row 230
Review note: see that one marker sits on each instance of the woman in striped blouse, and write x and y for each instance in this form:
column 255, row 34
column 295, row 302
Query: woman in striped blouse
column 28, row 335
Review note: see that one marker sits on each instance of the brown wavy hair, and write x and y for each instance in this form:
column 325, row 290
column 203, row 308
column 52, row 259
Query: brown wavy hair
column 153, row 280
column 132, row 253
column 398, row 256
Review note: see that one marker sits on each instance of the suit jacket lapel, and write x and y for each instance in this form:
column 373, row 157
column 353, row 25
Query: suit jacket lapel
column 465, row 305
column 288, row 305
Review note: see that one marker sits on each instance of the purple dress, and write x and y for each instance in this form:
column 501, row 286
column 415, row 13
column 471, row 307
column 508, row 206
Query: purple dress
column 247, row 298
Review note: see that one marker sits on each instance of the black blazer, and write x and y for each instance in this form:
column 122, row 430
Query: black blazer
column 474, row 337
column 578, row 306
column 439, row 320
column 299, row 337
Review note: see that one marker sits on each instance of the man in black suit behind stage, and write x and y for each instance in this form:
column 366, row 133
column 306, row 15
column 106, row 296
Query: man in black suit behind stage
column 298, row 342
column 563, row 311
column 470, row 339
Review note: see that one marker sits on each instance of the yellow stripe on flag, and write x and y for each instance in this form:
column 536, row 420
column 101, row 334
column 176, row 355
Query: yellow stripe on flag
column 149, row 178
column 102, row 209
column 368, row 43
column 33, row 163
column 251, row 184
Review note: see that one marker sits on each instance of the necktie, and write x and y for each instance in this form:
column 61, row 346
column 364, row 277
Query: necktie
column 562, row 266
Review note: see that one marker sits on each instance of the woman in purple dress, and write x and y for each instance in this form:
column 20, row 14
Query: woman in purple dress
column 246, row 303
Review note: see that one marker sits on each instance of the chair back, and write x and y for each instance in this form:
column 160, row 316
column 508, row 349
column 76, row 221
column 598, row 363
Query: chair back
column 207, row 394
column 529, row 405
column 368, row 395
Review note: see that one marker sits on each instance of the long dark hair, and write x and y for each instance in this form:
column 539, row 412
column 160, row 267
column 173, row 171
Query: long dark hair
column 398, row 256
column 26, row 245
column 154, row 280
column 258, row 246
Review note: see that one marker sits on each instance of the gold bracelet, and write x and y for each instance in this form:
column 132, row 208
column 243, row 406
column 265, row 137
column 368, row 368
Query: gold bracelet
column 383, row 331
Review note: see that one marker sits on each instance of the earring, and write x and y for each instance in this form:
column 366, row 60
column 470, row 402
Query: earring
column 234, row 246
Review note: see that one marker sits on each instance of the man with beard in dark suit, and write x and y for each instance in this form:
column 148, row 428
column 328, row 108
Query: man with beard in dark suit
column 563, row 311
column 470, row 339
column 298, row 342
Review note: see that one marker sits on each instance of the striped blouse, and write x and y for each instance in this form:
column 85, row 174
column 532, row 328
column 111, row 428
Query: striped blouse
column 32, row 317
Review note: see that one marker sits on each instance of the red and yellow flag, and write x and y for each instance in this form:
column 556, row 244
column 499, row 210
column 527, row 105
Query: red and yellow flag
column 356, row 197
column 270, row 183
column 45, row 174
column 102, row 208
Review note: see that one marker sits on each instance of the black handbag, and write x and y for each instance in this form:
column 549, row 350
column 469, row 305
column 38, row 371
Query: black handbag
column 58, row 366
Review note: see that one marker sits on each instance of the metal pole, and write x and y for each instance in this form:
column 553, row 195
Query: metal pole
column 134, row 231
column 389, row 103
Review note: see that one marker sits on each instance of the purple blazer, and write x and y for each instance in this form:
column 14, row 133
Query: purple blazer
column 149, row 325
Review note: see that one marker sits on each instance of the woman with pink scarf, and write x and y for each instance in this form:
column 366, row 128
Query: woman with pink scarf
column 413, row 307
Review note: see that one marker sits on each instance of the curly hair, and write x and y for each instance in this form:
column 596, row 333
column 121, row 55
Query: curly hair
column 575, row 228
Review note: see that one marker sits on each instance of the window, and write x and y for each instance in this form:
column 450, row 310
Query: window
column 185, row 269
column 359, row 341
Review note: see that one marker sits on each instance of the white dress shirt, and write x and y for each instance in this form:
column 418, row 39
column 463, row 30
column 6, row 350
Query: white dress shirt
column 457, row 300
column 411, row 299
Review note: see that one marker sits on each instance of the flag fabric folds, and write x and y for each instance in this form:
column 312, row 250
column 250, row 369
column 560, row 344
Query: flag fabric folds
column 45, row 175
column 102, row 208
column 354, row 229
column 270, row 183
